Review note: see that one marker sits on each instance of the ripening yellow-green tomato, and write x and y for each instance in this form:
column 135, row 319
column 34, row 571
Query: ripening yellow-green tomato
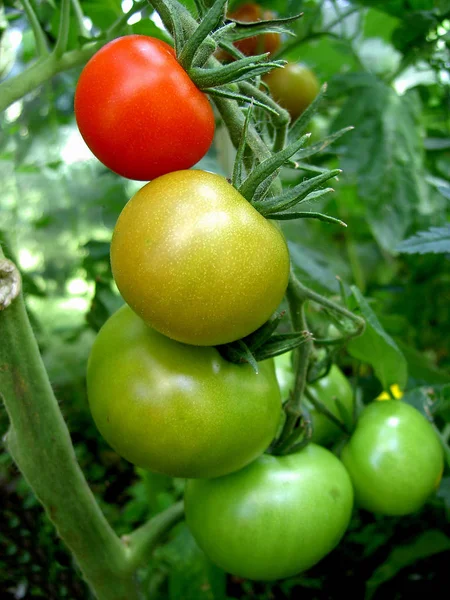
column 196, row 261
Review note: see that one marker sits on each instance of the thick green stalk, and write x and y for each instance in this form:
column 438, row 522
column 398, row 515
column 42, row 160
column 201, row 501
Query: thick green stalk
column 40, row 444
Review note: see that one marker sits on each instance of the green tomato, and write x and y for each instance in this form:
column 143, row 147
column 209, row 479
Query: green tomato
column 294, row 87
column 276, row 517
column 394, row 458
column 176, row 409
column 196, row 261
column 327, row 390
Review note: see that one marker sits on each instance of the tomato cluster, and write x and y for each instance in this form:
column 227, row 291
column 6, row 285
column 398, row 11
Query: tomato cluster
column 199, row 267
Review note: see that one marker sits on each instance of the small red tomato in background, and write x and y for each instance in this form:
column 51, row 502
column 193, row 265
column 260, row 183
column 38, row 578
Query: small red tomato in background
column 138, row 110
column 258, row 44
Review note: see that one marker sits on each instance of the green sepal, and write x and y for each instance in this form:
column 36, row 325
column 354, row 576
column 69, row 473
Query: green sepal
column 213, row 18
column 319, row 146
column 282, row 115
column 300, row 193
column 299, row 126
column 259, row 337
column 239, row 160
column 176, row 28
column 207, row 48
column 246, row 29
column 245, row 68
column 238, row 353
column 281, row 343
column 269, row 166
column 201, row 7
column 228, row 93
column 306, row 215
column 264, row 188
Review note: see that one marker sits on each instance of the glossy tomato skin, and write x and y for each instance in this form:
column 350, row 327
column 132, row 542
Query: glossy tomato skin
column 276, row 517
column 138, row 110
column 258, row 44
column 334, row 386
column 175, row 409
column 294, row 87
column 394, row 458
column 196, row 261
column 327, row 390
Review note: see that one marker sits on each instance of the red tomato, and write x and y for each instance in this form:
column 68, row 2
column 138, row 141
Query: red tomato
column 257, row 44
column 138, row 110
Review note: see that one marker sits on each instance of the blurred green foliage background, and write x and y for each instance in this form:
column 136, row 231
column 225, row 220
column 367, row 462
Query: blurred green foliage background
column 387, row 68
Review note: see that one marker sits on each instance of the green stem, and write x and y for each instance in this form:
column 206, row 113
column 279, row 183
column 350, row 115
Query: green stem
column 296, row 299
column 358, row 322
column 142, row 541
column 38, row 32
column 40, row 444
column 79, row 16
column 320, row 407
column 45, row 68
column 41, row 71
column 63, row 32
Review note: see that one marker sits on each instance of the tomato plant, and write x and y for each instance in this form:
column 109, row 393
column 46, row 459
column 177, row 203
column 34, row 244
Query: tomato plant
column 276, row 517
column 138, row 110
column 177, row 409
column 394, row 458
column 196, row 261
column 294, row 87
column 327, row 390
column 258, row 44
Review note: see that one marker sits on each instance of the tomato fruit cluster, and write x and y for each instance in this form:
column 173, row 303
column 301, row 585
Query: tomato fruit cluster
column 138, row 110
column 394, row 458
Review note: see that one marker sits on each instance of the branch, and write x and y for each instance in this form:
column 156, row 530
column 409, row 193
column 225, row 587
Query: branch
column 38, row 32
column 44, row 69
column 142, row 541
column 63, row 32
column 40, row 444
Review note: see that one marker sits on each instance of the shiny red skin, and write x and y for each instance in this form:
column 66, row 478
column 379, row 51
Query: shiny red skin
column 138, row 110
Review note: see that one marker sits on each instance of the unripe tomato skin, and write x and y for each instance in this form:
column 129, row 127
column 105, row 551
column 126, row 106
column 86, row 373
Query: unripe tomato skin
column 294, row 87
column 196, row 261
column 394, row 459
column 176, row 409
column 138, row 110
column 276, row 517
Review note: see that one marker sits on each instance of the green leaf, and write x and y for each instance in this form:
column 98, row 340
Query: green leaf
column 429, row 543
column 377, row 348
column 315, row 266
column 435, row 240
column 420, row 368
column 192, row 576
column 385, row 156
